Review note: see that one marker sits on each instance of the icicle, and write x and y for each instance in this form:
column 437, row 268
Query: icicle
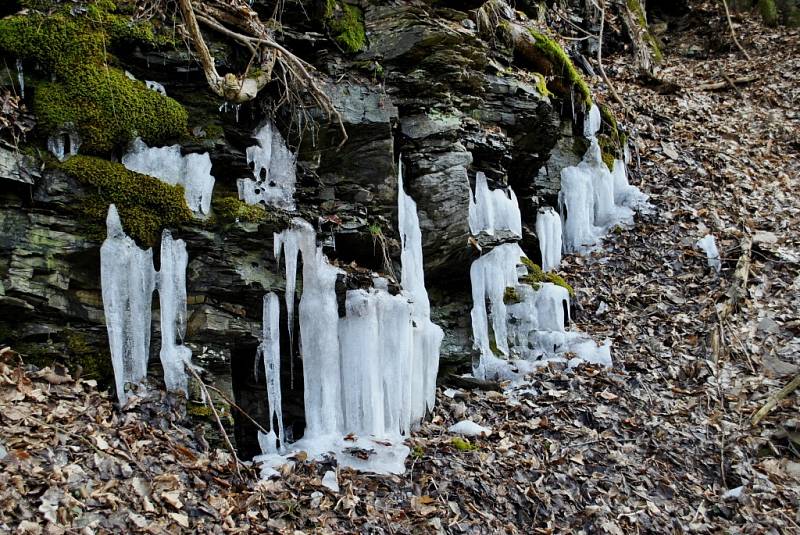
column 127, row 281
column 21, row 78
column 493, row 209
column 319, row 317
column 64, row 143
column 709, row 245
column 548, row 230
column 490, row 275
column 371, row 373
column 273, row 170
column 592, row 122
column 155, row 86
column 172, row 298
column 427, row 336
column 576, row 200
column 270, row 349
column 192, row 171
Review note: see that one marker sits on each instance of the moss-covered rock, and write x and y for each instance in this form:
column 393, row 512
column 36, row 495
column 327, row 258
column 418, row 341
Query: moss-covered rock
column 536, row 276
column 146, row 205
column 106, row 107
column 232, row 209
column 563, row 67
column 346, row 23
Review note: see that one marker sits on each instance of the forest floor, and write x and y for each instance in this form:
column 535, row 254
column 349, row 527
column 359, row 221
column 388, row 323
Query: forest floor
column 663, row 442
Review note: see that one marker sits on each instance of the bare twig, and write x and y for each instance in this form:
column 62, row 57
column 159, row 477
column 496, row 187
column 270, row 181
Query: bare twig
column 600, row 58
column 224, row 433
column 733, row 33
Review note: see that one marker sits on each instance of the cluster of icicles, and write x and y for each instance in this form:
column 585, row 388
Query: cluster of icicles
column 369, row 376
column 128, row 281
column 514, row 338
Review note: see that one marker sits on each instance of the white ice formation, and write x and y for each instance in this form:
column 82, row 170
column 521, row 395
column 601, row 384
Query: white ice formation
column 708, row 244
column 492, row 210
column 192, row 171
column 155, row 86
column 514, row 338
column 172, row 299
column 368, row 376
column 128, row 280
column 64, row 143
column 21, row 78
column 548, row 230
column 593, row 199
column 270, row 350
column 273, row 170
column 469, row 428
column 517, row 326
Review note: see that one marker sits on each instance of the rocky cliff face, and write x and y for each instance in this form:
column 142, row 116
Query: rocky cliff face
column 426, row 87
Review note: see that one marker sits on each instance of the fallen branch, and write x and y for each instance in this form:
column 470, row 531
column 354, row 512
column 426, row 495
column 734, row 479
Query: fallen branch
column 782, row 393
column 727, row 83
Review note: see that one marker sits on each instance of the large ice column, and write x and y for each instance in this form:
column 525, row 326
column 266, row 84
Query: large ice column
column 576, row 201
column 624, row 193
column 192, row 171
column 549, row 231
column 127, row 280
column 490, row 275
column 172, row 299
column 273, row 170
column 319, row 318
column 427, row 336
column 493, row 210
column 270, row 350
column 592, row 122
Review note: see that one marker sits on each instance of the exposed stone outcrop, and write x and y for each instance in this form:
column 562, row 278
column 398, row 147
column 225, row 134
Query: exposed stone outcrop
column 426, row 86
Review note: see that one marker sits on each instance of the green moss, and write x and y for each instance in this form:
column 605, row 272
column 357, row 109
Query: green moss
column 347, row 27
column 232, row 209
column 105, row 106
column 375, row 230
column 562, row 65
column 636, row 8
column 462, row 444
column 417, row 452
column 96, row 364
column 145, row 204
column 541, row 85
column 768, row 11
column 536, row 276
column 579, row 146
column 609, row 149
column 510, row 296
column 199, row 410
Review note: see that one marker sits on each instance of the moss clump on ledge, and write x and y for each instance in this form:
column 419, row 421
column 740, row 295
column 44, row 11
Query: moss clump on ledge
column 145, row 204
column 536, row 276
column 562, row 65
column 510, row 296
column 106, row 107
column 232, row 209
column 347, row 27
